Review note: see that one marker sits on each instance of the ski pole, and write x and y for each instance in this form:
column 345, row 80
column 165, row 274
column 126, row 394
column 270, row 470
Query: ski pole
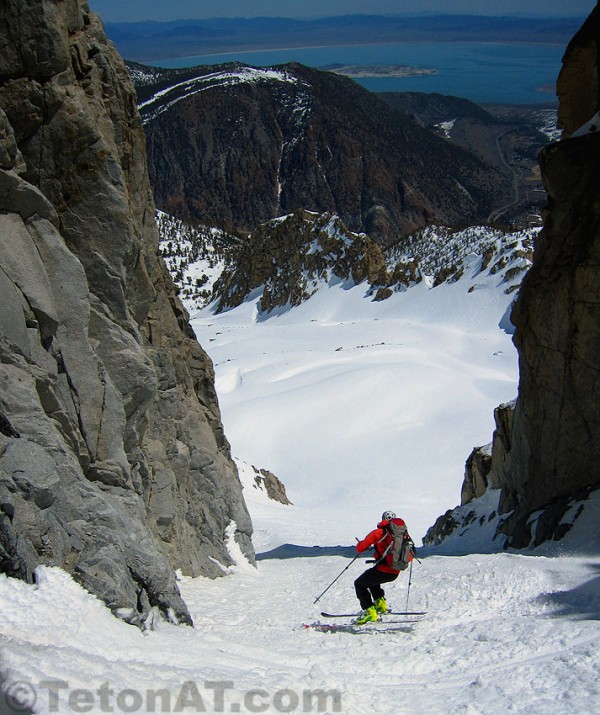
column 318, row 598
column 409, row 582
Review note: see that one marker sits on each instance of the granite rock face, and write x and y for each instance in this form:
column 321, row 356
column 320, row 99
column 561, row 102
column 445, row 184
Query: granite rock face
column 274, row 487
column 555, row 451
column 556, row 432
column 578, row 85
column 546, row 450
column 122, row 473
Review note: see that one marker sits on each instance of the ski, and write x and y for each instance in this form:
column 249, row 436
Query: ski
column 389, row 613
column 373, row 627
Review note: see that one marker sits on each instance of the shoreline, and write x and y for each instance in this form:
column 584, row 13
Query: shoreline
column 459, row 67
column 245, row 49
column 378, row 70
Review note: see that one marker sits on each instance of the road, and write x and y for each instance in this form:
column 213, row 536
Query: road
column 496, row 213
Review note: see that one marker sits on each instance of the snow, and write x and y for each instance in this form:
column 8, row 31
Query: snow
column 590, row 127
column 357, row 406
column 142, row 75
column 194, row 257
column 446, row 127
column 436, row 248
column 503, row 633
column 165, row 98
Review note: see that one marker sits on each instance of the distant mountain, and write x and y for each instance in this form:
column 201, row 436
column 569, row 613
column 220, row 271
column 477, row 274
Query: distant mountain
column 235, row 146
column 143, row 41
column 507, row 137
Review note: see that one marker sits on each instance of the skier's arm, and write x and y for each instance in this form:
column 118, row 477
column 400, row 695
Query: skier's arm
column 369, row 540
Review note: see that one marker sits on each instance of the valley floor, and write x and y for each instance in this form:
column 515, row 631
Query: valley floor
column 359, row 406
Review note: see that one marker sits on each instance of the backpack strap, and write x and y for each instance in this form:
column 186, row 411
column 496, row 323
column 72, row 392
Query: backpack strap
column 387, row 532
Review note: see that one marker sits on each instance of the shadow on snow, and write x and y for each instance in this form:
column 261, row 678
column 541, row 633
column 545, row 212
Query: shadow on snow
column 583, row 601
column 291, row 551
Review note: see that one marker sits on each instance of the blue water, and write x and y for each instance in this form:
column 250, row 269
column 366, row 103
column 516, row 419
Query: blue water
column 481, row 72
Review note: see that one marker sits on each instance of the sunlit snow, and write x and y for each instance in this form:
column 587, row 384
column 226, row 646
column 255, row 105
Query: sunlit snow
column 358, row 406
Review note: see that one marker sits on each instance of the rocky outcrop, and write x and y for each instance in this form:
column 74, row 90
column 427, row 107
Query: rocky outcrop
column 477, row 470
column 122, row 473
column 234, row 147
column 274, row 487
column 578, row 84
column 549, row 451
column 287, row 259
column 556, row 433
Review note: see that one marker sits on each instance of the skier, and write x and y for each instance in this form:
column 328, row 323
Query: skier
column 368, row 585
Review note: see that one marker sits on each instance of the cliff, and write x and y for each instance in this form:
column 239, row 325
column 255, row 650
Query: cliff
column 235, row 146
column 121, row 473
column 546, row 448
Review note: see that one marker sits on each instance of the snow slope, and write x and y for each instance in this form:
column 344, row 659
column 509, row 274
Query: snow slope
column 503, row 634
column 358, row 407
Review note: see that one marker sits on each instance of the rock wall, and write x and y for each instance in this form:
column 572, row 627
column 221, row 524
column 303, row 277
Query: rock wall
column 546, row 451
column 578, row 84
column 556, row 432
column 122, row 472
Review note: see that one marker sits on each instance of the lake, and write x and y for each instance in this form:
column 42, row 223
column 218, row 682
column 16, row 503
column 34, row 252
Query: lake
column 482, row 72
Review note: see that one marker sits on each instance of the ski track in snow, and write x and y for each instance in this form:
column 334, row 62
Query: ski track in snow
column 494, row 639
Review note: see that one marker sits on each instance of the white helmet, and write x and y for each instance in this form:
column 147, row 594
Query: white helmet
column 388, row 516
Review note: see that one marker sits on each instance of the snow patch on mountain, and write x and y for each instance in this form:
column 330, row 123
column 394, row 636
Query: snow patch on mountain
column 195, row 257
column 446, row 127
column 548, row 124
column 475, row 528
column 143, row 75
column 165, row 98
column 445, row 254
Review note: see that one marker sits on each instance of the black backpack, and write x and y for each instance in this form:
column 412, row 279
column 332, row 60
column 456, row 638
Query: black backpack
column 401, row 547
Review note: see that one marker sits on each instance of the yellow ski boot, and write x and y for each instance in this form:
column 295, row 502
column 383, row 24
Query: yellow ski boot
column 381, row 605
column 369, row 615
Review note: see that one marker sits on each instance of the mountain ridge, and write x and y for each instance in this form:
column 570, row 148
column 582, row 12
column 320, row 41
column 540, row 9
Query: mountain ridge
column 234, row 146
column 287, row 260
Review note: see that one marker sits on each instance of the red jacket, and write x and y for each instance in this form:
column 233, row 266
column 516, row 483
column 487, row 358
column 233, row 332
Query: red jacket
column 380, row 539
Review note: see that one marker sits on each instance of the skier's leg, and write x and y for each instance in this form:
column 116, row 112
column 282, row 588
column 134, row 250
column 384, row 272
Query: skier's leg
column 362, row 586
column 378, row 578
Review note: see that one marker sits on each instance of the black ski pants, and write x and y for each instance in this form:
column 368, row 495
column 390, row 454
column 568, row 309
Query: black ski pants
column 368, row 585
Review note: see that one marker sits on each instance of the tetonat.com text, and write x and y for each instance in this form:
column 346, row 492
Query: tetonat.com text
column 190, row 697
